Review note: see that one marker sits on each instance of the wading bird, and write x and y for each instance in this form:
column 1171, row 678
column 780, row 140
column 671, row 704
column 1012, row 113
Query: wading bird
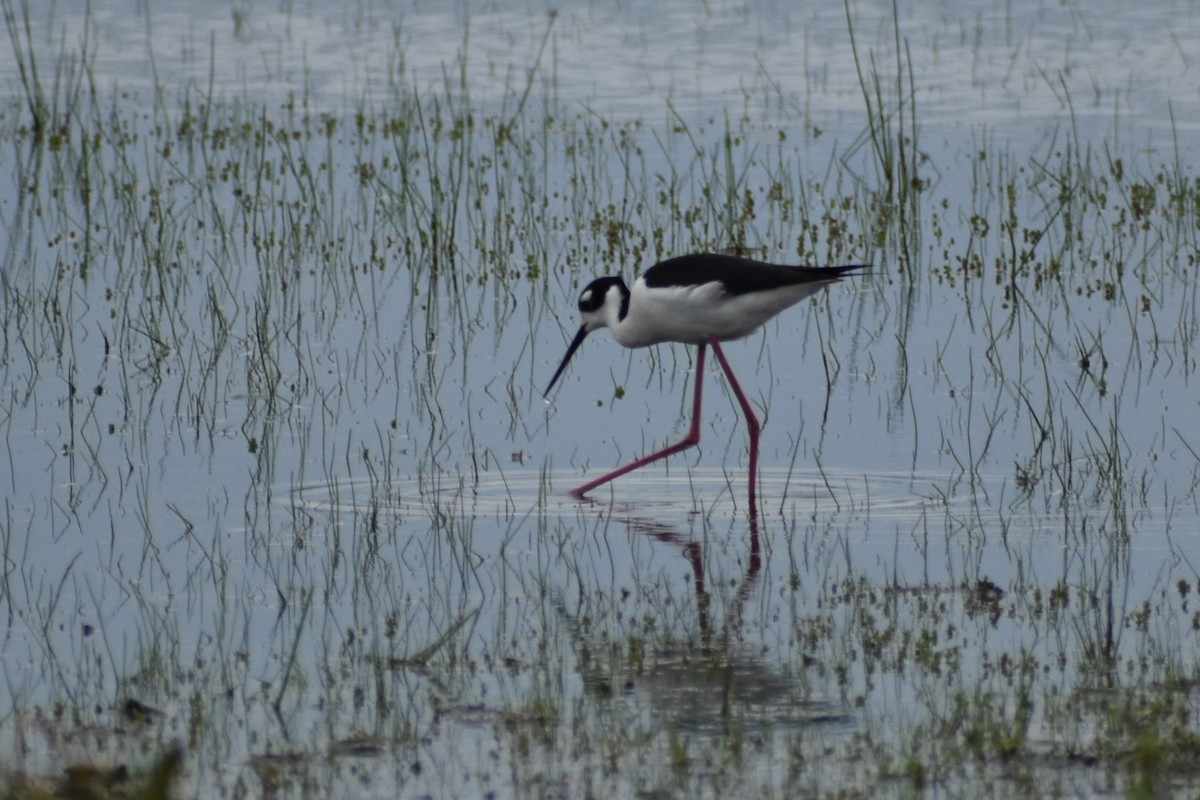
column 702, row 299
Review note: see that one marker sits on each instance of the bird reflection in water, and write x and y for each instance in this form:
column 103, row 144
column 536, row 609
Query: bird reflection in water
column 711, row 683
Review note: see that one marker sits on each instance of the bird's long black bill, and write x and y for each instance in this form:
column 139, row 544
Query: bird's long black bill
column 579, row 337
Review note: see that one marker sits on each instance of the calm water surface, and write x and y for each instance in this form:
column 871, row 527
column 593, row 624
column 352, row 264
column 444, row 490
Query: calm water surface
column 308, row 505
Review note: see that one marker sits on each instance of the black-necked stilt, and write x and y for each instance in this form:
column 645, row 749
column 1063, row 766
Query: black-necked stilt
column 701, row 299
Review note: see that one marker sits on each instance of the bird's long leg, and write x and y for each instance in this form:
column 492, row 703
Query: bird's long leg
column 691, row 440
column 752, row 422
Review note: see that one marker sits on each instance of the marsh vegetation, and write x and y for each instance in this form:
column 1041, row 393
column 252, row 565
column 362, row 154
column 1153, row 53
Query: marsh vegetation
column 284, row 511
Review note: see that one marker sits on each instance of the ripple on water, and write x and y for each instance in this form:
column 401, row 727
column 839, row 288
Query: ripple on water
column 884, row 497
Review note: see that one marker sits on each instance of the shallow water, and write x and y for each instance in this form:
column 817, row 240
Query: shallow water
column 1015, row 69
column 279, row 465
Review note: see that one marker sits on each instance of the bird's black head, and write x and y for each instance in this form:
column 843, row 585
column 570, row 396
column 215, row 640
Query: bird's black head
column 593, row 296
column 592, row 301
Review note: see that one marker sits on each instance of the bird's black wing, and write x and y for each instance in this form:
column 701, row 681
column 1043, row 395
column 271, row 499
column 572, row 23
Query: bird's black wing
column 738, row 275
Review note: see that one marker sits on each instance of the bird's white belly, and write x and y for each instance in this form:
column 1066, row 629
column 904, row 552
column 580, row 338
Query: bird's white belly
column 695, row 314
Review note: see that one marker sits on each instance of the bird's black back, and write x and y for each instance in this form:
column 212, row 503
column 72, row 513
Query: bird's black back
column 738, row 275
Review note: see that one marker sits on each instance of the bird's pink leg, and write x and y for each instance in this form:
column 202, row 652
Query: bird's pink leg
column 691, row 440
column 751, row 421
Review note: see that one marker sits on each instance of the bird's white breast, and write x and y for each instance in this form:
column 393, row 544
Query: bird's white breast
column 695, row 314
